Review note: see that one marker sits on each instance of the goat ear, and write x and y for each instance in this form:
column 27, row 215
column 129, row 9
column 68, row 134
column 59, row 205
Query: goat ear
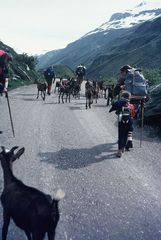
column 3, row 149
column 18, row 154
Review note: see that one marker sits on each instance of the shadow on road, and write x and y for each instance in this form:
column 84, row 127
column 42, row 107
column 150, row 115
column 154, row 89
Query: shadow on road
column 79, row 158
column 75, row 108
column 27, row 94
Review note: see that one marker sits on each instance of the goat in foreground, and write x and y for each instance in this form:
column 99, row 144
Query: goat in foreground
column 41, row 87
column 31, row 210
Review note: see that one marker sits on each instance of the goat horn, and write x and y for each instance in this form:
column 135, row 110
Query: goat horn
column 14, row 148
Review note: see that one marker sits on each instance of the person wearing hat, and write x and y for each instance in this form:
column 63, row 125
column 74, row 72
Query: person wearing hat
column 50, row 77
column 120, row 84
column 80, row 72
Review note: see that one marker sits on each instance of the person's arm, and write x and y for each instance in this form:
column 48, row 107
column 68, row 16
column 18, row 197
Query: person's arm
column 6, row 79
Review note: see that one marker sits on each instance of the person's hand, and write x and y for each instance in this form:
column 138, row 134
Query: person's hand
column 5, row 90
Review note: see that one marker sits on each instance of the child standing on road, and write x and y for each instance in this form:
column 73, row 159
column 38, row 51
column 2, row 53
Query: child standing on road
column 125, row 112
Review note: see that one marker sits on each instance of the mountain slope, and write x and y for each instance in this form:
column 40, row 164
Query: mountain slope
column 113, row 42
column 141, row 48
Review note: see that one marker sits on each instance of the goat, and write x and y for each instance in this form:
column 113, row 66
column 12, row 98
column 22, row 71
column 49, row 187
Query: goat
column 66, row 89
column 57, row 86
column 41, row 87
column 33, row 211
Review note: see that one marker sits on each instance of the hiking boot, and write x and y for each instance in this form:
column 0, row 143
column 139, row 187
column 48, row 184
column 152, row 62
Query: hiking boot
column 119, row 153
column 127, row 149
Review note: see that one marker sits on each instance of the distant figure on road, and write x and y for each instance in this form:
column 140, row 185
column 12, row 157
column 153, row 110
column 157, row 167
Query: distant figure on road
column 80, row 73
column 49, row 75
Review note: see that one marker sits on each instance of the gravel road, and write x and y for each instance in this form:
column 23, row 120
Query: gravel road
column 69, row 147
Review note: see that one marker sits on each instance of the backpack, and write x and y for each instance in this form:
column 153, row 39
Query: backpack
column 49, row 73
column 80, row 71
column 135, row 83
column 125, row 114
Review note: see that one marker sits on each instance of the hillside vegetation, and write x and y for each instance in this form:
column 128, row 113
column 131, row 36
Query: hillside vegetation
column 23, row 71
column 22, row 68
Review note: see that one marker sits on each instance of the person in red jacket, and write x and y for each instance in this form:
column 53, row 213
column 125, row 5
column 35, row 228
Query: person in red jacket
column 5, row 59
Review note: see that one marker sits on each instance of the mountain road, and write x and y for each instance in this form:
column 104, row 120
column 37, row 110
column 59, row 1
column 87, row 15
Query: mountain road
column 70, row 148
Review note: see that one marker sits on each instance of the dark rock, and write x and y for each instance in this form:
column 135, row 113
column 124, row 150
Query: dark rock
column 153, row 106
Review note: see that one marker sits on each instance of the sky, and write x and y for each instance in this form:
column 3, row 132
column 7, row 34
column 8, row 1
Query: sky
column 37, row 26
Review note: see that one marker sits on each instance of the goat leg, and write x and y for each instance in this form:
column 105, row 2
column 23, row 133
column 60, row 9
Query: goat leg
column 62, row 97
column 6, row 219
column 59, row 97
column 44, row 93
column 86, row 103
column 37, row 94
column 28, row 235
column 51, row 235
column 38, row 236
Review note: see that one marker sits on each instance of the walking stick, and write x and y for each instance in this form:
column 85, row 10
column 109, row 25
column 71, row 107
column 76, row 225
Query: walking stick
column 10, row 114
column 142, row 122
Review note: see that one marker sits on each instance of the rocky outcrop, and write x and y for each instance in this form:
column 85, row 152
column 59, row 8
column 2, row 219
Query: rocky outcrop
column 153, row 106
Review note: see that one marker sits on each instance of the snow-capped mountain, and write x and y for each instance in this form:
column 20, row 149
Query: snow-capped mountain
column 143, row 12
column 122, row 33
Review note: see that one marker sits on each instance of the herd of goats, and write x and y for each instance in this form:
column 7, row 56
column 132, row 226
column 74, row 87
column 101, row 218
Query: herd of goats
column 72, row 87
column 33, row 211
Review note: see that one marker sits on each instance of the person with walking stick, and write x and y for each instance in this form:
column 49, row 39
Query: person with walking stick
column 5, row 60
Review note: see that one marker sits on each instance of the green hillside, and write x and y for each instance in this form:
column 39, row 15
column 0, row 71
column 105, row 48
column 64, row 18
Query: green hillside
column 22, row 68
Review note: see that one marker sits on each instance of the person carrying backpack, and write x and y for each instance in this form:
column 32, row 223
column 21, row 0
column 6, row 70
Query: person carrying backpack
column 80, row 72
column 133, row 81
column 121, row 82
column 125, row 112
column 49, row 75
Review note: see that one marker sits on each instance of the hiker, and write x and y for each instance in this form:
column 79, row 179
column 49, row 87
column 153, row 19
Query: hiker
column 5, row 59
column 80, row 73
column 125, row 112
column 49, row 75
column 120, row 84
